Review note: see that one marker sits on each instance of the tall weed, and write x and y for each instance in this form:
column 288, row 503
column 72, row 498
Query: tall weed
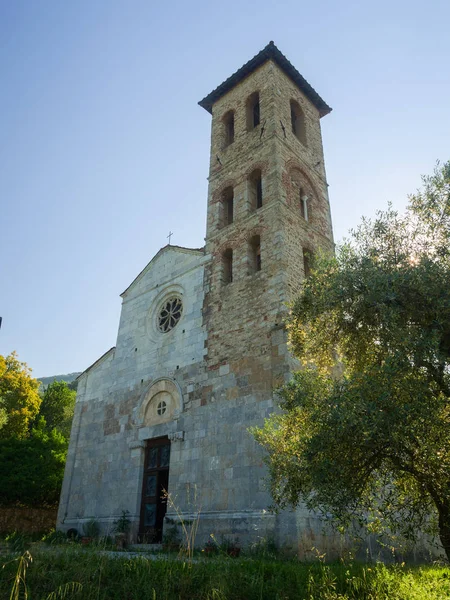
column 99, row 576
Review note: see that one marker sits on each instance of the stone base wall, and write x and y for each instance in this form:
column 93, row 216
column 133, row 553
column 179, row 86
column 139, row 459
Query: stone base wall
column 247, row 527
column 27, row 520
column 297, row 533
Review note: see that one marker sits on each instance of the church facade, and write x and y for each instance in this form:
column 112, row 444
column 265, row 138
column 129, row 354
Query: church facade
column 201, row 344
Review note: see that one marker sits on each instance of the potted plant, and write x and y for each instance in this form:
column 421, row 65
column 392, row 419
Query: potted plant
column 121, row 529
column 211, row 547
column 231, row 547
column 91, row 530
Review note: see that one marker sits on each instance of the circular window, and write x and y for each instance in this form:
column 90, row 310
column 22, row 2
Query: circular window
column 161, row 408
column 170, row 314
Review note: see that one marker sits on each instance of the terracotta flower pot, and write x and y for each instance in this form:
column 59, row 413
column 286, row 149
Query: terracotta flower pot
column 121, row 540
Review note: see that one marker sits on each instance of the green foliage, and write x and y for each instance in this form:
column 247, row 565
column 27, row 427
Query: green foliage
column 3, row 414
column 33, row 436
column 365, row 432
column 58, row 404
column 18, row 541
column 229, row 543
column 73, row 385
column 19, row 398
column 54, row 537
column 91, row 528
column 172, row 537
column 264, row 548
column 123, row 523
column 32, row 469
column 100, row 577
column 69, row 378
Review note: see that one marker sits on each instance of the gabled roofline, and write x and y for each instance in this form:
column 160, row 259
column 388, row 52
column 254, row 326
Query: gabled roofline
column 270, row 52
column 163, row 249
column 95, row 363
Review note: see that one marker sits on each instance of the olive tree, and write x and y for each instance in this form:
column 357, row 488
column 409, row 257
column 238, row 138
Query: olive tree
column 364, row 434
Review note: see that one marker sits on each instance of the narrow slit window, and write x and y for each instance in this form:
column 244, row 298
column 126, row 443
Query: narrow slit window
column 227, row 266
column 258, row 192
column 298, row 122
column 253, row 111
column 304, row 205
column 227, row 207
column 228, row 122
column 255, row 254
column 255, row 190
column 306, row 262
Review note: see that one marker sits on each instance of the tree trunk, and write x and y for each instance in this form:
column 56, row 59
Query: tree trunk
column 444, row 529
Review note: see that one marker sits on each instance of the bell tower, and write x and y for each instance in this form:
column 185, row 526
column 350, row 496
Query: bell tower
column 268, row 211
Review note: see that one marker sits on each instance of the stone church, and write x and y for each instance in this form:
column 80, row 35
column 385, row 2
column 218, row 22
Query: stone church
column 201, row 343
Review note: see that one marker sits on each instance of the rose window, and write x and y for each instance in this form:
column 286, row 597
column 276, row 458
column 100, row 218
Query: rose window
column 161, row 408
column 170, row 314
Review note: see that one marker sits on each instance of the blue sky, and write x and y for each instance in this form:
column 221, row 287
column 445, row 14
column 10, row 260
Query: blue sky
column 104, row 149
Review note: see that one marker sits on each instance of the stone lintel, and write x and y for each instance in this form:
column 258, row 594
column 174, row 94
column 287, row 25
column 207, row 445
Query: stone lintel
column 136, row 444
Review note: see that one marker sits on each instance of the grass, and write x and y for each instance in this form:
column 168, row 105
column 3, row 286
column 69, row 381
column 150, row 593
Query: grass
column 68, row 571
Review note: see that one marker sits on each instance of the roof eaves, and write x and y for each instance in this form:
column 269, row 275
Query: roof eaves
column 160, row 251
column 95, row 363
column 270, row 52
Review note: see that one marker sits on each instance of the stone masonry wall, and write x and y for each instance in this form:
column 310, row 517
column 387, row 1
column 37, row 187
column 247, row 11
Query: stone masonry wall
column 105, row 459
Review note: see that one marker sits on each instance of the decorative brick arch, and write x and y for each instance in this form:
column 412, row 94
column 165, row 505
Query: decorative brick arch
column 262, row 166
column 296, row 172
column 160, row 403
column 232, row 243
column 293, row 165
column 217, row 194
column 258, row 230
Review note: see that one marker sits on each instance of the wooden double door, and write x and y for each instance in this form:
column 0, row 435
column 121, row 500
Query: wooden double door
column 154, row 490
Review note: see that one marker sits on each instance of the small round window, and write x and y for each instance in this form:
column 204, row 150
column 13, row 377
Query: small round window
column 170, row 314
column 162, row 407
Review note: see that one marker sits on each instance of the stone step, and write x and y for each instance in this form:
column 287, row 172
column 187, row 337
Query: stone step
column 144, row 547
